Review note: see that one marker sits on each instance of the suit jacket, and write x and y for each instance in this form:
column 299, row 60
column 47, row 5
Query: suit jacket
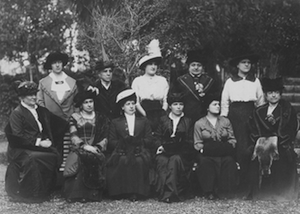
column 105, row 101
column 23, row 131
column 48, row 98
column 193, row 101
column 119, row 139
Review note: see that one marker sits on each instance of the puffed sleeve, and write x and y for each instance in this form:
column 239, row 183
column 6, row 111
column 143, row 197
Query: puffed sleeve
column 165, row 90
column 259, row 94
column 225, row 101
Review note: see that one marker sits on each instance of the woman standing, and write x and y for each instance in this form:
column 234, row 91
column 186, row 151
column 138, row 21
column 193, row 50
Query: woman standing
column 241, row 93
column 174, row 159
column 57, row 90
column 215, row 141
column 89, row 132
column 151, row 90
column 128, row 166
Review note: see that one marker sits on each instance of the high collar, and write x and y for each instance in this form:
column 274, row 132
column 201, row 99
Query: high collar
column 250, row 77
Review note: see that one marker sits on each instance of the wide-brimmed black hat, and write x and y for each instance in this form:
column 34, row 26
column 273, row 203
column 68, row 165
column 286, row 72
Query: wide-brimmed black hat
column 81, row 96
column 269, row 84
column 101, row 65
column 196, row 56
column 240, row 50
column 175, row 97
column 26, row 88
column 54, row 57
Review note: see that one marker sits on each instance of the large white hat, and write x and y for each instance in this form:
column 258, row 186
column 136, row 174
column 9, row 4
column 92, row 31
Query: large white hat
column 153, row 53
column 127, row 94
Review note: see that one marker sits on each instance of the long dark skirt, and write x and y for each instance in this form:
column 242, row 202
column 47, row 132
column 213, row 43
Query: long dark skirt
column 217, row 174
column 30, row 175
column 239, row 113
column 173, row 177
column 128, row 175
column 89, row 182
column 281, row 184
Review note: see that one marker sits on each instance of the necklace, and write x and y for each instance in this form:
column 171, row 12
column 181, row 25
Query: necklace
column 90, row 119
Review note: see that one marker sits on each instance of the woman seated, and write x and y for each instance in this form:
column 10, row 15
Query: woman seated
column 277, row 177
column 32, row 134
column 128, row 166
column 174, row 159
column 84, row 178
column 214, row 139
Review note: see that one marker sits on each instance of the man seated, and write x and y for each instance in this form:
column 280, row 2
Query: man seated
column 32, row 154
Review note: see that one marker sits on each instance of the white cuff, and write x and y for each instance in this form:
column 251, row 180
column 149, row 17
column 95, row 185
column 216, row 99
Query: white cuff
column 38, row 141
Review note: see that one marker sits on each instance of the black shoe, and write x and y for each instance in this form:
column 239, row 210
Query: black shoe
column 166, row 200
column 211, row 196
column 133, row 198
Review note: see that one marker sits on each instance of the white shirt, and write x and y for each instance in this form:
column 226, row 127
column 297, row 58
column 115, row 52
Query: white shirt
column 175, row 119
column 241, row 91
column 60, row 88
column 151, row 88
column 271, row 108
column 130, row 122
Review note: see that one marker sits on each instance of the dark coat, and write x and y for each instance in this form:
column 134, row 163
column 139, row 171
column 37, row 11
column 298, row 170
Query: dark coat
column 105, row 101
column 193, row 107
column 31, row 172
column 283, row 178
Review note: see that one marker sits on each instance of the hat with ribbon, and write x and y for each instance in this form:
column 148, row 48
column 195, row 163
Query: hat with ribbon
column 124, row 96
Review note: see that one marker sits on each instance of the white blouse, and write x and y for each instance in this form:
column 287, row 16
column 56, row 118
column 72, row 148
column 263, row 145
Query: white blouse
column 241, row 91
column 130, row 119
column 59, row 85
column 151, row 88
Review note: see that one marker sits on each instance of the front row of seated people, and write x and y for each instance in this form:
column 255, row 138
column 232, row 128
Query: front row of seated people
column 125, row 159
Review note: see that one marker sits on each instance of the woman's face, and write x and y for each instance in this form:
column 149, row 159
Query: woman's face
column 151, row 68
column 129, row 107
column 57, row 67
column 177, row 108
column 88, row 105
column 195, row 68
column 214, row 107
column 273, row 97
column 244, row 65
column 29, row 100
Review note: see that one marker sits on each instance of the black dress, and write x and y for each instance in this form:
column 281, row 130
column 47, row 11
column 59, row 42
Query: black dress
column 174, row 165
column 128, row 166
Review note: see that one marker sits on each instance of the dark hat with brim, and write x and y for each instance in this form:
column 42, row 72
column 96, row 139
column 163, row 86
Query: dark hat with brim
column 81, row 96
column 54, row 57
column 27, row 88
column 272, row 84
column 237, row 59
column 101, row 65
column 124, row 96
column 196, row 56
column 209, row 98
column 175, row 97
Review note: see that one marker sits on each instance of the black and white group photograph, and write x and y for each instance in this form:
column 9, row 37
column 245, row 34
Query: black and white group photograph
column 150, row 106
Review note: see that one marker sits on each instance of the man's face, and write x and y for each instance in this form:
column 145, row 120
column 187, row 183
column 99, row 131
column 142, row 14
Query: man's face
column 195, row 68
column 106, row 75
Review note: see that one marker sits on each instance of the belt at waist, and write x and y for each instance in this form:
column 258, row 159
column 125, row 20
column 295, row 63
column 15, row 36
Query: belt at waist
column 150, row 105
